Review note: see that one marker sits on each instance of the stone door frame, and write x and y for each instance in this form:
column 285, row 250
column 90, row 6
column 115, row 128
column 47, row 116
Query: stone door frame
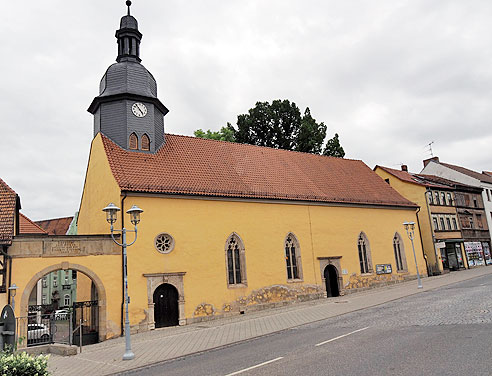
column 154, row 280
column 335, row 261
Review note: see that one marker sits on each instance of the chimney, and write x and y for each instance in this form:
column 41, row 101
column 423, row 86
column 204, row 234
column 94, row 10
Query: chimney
column 404, row 167
column 433, row 159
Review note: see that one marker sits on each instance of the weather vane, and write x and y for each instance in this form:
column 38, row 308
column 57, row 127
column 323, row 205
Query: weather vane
column 128, row 4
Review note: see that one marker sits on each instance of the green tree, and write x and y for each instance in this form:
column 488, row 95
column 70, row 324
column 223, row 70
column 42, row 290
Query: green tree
column 280, row 125
column 277, row 125
column 311, row 134
column 333, row 148
column 225, row 134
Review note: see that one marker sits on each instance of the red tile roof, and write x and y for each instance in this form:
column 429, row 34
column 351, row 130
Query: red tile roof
column 412, row 178
column 26, row 226
column 477, row 175
column 8, row 206
column 195, row 166
column 487, row 172
column 56, row 226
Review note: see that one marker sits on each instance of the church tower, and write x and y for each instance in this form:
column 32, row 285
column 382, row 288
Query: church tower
column 127, row 109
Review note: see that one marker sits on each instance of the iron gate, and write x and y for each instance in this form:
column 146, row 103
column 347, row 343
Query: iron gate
column 86, row 315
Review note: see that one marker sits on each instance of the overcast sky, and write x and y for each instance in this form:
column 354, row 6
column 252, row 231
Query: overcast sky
column 387, row 76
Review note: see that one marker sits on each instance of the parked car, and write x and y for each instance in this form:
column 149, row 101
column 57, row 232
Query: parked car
column 62, row 314
column 38, row 334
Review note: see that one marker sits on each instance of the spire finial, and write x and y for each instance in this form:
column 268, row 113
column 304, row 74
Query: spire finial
column 128, row 4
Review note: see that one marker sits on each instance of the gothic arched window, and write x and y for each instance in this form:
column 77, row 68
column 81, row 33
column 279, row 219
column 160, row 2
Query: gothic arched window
column 145, row 142
column 133, row 142
column 364, row 254
column 293, row 257
column 235, row 261
column 401, row 262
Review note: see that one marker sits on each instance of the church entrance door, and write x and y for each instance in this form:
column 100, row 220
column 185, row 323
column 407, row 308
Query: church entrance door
column 166, row 312
column 331, row 280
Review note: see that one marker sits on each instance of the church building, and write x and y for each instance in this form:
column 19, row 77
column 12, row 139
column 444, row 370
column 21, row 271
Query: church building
column 228, row 228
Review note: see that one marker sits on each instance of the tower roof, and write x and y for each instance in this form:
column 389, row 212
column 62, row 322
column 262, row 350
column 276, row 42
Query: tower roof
column 127, row 77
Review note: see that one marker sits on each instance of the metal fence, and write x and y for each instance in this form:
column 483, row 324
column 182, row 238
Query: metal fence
column 44, row 325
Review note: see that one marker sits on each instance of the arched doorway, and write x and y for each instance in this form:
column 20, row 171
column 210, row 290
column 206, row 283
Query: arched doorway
column 63, row 299
column 94, row 290
column 331, row 281
column 166, row 312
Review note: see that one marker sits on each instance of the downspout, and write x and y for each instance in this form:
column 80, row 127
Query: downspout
column 421, row 241
column 6, row 258
column 122, row 265
column 428, row 191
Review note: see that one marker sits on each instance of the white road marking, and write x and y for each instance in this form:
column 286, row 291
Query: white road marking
column 344, row 335
column 253, row 367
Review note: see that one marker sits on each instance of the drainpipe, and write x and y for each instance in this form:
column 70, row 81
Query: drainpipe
column 8, row 259
column 421, row 241
column 428, row 191
column 122, row 265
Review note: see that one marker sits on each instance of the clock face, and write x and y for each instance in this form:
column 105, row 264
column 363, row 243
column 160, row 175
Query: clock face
column 139, row 109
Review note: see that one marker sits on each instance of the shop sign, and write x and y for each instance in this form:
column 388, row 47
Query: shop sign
column 473, row 247
column 441, row 245
column 383, row 269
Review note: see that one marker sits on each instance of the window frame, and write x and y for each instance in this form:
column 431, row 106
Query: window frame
column 365, row 262
column 291, row 260
column 455, row 224
column 145, row 136
column 242, row 262
column 133, row 134
column 399, row 250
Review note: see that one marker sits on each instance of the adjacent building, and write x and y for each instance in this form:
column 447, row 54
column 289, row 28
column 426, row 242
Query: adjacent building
column 468, row 177
column 440, row 229
column 471, row 215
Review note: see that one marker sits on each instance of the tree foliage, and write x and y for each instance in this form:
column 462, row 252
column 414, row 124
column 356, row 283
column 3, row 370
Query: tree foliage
column 278, row 125
column 225, row 134
column 333, row 148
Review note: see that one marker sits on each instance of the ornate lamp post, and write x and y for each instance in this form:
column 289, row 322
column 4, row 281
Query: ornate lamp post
column 13, row 292
column 410, row 228
column 111, row 216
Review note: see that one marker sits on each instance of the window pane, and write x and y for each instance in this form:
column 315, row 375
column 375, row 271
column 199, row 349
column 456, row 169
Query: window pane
column 237, row 264
column 287, row 259
column 230, row 266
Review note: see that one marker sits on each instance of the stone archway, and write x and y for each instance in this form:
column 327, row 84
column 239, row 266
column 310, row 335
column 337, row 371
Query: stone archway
column 153, row 282
column 101, row 291
column 336, row 262
column 331, row 281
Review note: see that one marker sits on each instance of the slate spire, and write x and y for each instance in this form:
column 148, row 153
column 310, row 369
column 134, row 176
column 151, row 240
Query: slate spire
column 128, row 38
column 127, row 109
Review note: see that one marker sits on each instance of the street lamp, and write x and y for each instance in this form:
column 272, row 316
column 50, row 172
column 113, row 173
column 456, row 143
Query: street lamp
column 13, row 292
column 111, row 216
column 410, row 228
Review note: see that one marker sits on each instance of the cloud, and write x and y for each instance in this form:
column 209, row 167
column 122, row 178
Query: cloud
column 388, row 76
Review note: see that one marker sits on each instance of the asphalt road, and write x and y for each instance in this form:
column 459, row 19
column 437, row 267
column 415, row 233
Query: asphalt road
column 447, row 331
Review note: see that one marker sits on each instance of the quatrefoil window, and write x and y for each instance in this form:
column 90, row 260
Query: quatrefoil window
column 164, row 243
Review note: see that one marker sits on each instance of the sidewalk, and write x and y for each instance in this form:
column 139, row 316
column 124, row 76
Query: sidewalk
column 168, row 343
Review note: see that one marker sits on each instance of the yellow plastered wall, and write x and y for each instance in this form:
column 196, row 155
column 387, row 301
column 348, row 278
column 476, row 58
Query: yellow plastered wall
column 416, row 193
column 200, row 228
column 84, row 285
column 105, row 267
column 100, row 188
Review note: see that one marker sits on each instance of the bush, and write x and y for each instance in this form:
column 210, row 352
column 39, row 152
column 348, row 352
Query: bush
column 23, row 364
